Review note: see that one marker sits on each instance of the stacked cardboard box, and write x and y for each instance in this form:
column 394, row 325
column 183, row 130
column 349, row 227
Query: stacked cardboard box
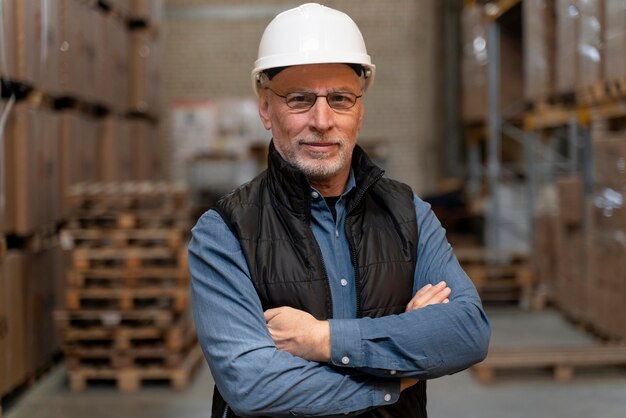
column 474, row 67
column 31, row 284
column 607, row 233
column 615, row 39
column 32, row 167
column 69, row 64
column 571, row 266
column 566, row 35
column 539, row 21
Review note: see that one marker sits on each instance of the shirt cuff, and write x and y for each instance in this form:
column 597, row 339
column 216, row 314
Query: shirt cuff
column 345, row 343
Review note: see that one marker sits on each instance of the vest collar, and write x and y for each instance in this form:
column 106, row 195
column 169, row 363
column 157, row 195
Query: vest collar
column 291, row 188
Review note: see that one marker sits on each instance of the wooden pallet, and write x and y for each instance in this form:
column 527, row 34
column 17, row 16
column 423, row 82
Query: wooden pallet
column 128, row 278
column 499, row 276
column 84, row 259
column 114, row 196
column 128, row 219
column 562, row 361
column 130, row 379
column 123, row 338
column 602, row 92
column 85, row 319
column 79, row 358
column 176, row 299
column 123, row 238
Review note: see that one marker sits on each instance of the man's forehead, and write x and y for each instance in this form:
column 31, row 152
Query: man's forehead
column 317, row 73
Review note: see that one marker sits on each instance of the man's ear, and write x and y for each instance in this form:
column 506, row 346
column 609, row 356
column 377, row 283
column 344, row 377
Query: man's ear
column 264, row 109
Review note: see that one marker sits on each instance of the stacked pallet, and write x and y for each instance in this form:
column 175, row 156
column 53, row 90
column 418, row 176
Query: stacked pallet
column 127, row 316
column 500, row 277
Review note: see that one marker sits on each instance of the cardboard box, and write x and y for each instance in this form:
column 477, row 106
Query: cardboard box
column 12, row 325
column 150, row 11
column 539, row 32
column 145, row 72
column 570, row 200
column 78, row 50
column 19, row 27
column 113, row 68
column 566, row 43
column 115, row 150
column 609, row 158
column 78, row 153
column 31, row 176
column 615, row 39
column 3, row 176
column 41, row 275
column 590, row 43
column 146, row 152
column 474, row 61
column 473, row 64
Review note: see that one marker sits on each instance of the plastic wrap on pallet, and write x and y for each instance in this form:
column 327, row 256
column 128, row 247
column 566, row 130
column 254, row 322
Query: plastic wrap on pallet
column 615, row 40
column 589, row 48
column 474, row 64
column 539, row 48
column 567, row 16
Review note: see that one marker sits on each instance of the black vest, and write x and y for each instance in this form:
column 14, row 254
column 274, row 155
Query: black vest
column 271, row 218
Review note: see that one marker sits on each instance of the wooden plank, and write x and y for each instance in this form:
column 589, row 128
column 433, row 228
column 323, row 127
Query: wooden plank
column 130, row 379
column 84, row 319
column 124, row 299
column 123, row 238
column 124, row 338
column 129, row 278
column 134, row 258
column 141, row 357
column 562, row 360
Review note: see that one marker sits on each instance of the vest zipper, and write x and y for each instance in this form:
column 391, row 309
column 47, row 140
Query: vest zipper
column 351, row 243
column 225, row 412
column 327, row 281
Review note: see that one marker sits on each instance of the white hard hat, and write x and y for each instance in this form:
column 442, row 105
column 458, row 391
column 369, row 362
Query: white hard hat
column 311, row 34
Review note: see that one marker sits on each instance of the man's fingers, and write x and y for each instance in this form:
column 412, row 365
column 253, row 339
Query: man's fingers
column 272, row 313
column 429, row 295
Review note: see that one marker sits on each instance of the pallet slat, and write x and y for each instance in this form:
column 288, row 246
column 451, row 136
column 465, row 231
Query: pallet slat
column 130, row 379
column 563, row 360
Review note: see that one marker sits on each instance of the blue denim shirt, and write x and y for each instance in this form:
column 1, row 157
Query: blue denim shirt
column 368, row 356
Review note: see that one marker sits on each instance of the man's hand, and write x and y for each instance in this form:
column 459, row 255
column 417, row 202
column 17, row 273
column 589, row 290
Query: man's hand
column 299, row 333
column 429, row 295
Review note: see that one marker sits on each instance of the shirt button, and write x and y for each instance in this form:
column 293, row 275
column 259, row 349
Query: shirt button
column 387, row 397
column 344, row 282
column 345, row 360
column 392, row 372
column 315, row 195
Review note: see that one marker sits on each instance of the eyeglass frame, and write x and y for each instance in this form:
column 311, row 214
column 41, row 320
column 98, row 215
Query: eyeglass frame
column 356, row 97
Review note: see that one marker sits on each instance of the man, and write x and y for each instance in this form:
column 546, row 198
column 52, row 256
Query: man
column 317, row 287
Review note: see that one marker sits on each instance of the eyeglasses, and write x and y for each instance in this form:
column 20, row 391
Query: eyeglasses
column 305, row 100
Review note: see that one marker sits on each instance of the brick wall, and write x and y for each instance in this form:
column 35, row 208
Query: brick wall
column 210, row 47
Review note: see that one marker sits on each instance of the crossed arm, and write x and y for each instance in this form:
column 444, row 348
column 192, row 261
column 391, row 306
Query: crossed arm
column 299, row 333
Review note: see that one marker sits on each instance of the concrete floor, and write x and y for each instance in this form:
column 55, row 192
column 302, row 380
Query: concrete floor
column 589, row 396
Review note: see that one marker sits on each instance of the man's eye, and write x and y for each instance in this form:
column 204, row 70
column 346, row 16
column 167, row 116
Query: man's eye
column 298, row 98
column 339, row 98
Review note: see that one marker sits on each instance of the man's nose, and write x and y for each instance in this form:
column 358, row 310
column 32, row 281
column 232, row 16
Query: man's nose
column 322, row 115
